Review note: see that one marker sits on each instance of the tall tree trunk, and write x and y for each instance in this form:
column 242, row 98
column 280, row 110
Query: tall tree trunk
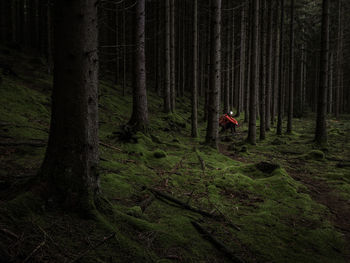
column 321, row 123
column 232, row 64
column 254, row 78
column 124, row 48
column 263, row 71
column 172, row 55
column 139, row 118
column 70, row 164
column 209, row 47
column 291, row 72
column 339, row 65
column 276, row 71
column 49, row 37
column 167, row 103
column 269, row 45
column 195, row 71
column 242, row 62
column 280, row 74
column 215, row 75
column 330, row 84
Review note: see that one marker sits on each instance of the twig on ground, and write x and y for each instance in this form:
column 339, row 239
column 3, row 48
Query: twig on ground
column 8, row 232
column 218, row 244
column 86, row 251
column 110, row 146
column 34, row 251
column 161, row 195
column 146, row 203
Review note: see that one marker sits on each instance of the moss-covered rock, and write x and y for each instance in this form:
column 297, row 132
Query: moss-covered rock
column 315, row 155
column 159, row 154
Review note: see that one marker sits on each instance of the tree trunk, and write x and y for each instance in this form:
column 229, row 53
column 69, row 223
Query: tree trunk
column 339, row 65
column 172, row 55
column 254, row 78
column 232, row 64
column 269, row 45
column 195, row 71
column 215, row 75
column 321, row 124
column 330, row 84
column 167, row 103
column 124, row 48
column 280, row 74
column 291, row 72
column 263, row 71
column 242, row 62
column 139, row 118
column 70, row 164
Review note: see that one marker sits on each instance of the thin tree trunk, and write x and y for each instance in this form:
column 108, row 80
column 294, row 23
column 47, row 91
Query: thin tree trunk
column 167, row 103
column 269, row 66
column 139, row 117
column 242, row 62
column 172, row 55
column 254, row 78
column 339, row 65
column 215, row 75
column 280, row 75
column 263, row 71
column 195, row 71
column 124, row 48
column 321, row 124
column 330, row 84
column 291, row 72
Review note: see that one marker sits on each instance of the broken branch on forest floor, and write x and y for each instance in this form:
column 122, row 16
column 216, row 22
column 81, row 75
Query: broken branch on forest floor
column 160, row 195
column 35, row 250
column 146, row 203
column 8, row 232
column 110, row 146
column 93, row 248
column 218, row 244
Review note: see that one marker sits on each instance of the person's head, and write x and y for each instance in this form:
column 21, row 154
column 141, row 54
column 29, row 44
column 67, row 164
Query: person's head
column 230, row 113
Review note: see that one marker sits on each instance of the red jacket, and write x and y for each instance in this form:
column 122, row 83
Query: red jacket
column 224, row 119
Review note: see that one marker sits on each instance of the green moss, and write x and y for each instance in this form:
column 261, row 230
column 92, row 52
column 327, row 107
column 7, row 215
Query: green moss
column 279, row 221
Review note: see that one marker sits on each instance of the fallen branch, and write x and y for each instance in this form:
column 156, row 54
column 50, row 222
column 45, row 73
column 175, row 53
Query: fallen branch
column 8, row 232
column 93, row 248
column 218, row 244
column 146, row 203
column 161, row 195
column 34, row 251
column 110, row 146
column 227, row 219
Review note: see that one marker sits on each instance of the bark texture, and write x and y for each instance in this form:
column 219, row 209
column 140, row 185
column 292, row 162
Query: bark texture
column 215, row 74
column 70, row 164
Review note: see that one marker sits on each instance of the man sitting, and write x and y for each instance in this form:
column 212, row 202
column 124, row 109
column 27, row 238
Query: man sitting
column 227, row 121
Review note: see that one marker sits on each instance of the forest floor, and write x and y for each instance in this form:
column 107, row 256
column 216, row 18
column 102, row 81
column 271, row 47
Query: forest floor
column 168, row 197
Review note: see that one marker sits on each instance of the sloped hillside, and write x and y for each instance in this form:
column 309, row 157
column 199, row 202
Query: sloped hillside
column 167, row 197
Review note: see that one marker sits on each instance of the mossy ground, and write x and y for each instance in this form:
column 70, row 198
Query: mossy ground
column 280, row 217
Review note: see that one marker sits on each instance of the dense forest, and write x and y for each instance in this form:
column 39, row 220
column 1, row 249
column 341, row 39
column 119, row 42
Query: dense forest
column 174, row 131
